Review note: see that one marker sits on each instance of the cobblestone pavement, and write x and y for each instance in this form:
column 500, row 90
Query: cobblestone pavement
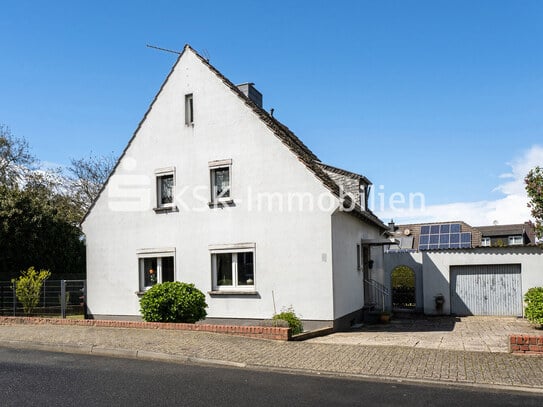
column 483, row 368
column 482, row 334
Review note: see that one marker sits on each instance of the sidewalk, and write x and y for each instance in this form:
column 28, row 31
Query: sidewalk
column 390, row 362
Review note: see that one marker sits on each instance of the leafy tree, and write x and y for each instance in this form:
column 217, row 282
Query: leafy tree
column 403, row 276
column 15, row 158
column 28, row 287
column 534, row 188
column 36, row 230
column 87, row 177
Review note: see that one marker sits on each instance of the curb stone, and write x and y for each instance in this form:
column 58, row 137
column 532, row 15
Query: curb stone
column 173, row 358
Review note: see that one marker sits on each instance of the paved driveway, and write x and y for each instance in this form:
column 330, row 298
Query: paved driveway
column 483, row 334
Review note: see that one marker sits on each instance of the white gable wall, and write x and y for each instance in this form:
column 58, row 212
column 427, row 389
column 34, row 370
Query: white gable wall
column 293, row 255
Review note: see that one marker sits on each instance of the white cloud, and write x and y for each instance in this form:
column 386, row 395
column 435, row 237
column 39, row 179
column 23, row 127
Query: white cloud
column 512, row 208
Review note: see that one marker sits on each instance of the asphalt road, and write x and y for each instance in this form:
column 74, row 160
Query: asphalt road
column 33, row 378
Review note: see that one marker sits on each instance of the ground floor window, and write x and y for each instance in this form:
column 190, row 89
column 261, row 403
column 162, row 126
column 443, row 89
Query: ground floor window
column 233, row 269
column 156, row 269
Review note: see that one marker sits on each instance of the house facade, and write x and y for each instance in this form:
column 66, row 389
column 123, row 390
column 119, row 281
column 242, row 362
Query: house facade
column 212, row 190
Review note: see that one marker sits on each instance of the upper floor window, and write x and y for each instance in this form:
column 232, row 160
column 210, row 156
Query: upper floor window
column 189, row 109
column 515, row 240
column 165, row 186
column 485, row 241
column 221, row 181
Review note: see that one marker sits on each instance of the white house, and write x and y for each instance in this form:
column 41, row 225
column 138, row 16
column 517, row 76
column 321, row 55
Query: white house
column 212, row 190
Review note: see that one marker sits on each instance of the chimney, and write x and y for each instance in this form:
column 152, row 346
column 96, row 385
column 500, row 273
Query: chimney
column 249, row 90
column 391, row 225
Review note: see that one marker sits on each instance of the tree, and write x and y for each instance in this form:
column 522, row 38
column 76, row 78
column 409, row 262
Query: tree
column 534, row 188
column 28, row 288
column 35, row 230
column 15, row 158
column 88, row 175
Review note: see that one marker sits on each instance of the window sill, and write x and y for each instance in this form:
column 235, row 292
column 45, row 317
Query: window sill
column 139, row 293
column 165, row 209
column 226, row 202
column 233, row 292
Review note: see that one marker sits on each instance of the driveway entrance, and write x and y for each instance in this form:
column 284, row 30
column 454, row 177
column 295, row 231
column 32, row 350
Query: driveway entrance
column 473, row 333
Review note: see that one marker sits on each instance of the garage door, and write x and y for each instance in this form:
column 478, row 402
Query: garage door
column 486, row 290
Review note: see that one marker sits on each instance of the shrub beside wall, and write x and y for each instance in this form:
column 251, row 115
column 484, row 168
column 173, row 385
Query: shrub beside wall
column 173, row 302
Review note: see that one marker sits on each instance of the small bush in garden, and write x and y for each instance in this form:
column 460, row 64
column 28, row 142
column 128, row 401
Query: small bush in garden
column 293, row 321
column 28, row 288
column 534, row 305
column 173, row 302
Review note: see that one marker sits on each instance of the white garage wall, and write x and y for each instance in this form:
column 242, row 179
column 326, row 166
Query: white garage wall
column 436, row 269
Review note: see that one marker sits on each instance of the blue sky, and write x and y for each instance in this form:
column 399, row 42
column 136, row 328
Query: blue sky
column 438, row 97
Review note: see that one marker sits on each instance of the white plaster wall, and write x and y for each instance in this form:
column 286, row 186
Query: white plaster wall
column 293, row 250
column 347, row 231
column 437, row 265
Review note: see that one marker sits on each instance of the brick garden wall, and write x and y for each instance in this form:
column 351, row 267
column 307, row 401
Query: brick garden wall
column 528, row 344
column 262, row 332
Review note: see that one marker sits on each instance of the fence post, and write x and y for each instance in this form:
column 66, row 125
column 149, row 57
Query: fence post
column 14, row 299
column 44, row 294
column 63, row 298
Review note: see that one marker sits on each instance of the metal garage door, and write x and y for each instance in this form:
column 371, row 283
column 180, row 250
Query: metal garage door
column 486, row 290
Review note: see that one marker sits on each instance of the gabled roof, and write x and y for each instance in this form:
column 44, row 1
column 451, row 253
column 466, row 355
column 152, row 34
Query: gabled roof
column 304, row 154
column 346, row 173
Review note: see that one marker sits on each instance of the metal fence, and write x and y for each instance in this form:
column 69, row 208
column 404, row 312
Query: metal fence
column 58, row 298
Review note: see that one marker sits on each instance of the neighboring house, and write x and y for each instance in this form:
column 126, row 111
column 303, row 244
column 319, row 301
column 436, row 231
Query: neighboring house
column 458, row 234
column 521, row 234
column 213, row 190
column 483, row 270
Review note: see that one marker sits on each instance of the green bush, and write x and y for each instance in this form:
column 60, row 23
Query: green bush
column 28, row 288
column 534, row 305
column 293, row 321
column 173, row 302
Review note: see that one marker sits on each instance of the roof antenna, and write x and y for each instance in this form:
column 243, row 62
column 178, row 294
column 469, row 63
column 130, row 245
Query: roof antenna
column 163, row 49
column 271, row 111
column 205, row 53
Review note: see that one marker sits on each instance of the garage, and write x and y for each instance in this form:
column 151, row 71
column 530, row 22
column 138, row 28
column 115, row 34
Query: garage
column 486, row 290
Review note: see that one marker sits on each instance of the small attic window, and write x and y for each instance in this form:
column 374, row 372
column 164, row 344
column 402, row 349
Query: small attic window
column 189, row 110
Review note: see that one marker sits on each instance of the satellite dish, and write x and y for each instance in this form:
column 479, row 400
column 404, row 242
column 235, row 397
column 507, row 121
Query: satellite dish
column 407, row 232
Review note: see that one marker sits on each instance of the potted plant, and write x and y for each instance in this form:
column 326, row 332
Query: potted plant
column 385, row 317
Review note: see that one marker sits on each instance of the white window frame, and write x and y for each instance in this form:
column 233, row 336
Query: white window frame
column 189, row 109
column 358, row 257
column 486, row 242
column 159, row 254
column 233, row 249
column 515, row 240
column 159, row 174
column 219, row 165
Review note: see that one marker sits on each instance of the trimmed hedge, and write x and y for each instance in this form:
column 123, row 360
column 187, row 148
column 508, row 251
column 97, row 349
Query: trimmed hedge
column 534, row 305
column 173, row 302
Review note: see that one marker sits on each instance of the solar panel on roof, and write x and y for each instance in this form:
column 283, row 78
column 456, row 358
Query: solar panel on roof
column 444, row 236
column 455, row 228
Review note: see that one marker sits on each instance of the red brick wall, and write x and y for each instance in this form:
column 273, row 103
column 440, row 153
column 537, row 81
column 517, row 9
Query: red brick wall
column 262, row 332
column 532, row 344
